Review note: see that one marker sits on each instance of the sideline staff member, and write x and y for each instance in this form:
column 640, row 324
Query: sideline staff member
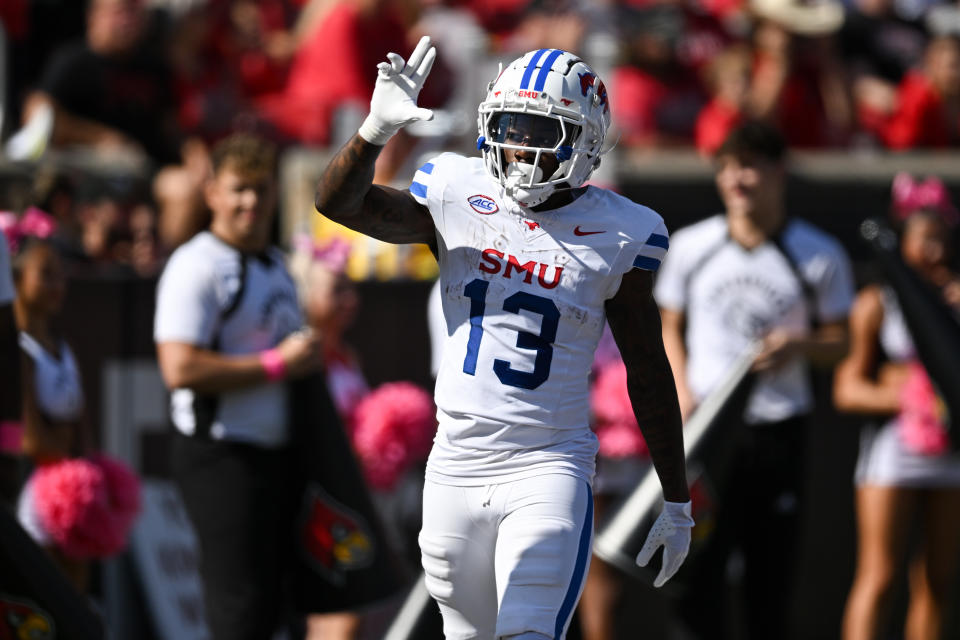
column 226, row 329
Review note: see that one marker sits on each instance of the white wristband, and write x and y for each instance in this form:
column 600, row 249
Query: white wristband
column 375, row 131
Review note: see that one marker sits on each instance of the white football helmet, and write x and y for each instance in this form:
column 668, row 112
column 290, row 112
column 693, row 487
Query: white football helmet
column 546, row 102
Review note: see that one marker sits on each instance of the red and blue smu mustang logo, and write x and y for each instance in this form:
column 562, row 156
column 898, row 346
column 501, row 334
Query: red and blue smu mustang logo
column 483, row 204
column 588, row 80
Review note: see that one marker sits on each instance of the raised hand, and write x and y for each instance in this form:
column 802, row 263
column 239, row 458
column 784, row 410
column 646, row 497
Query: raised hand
column 394, row 102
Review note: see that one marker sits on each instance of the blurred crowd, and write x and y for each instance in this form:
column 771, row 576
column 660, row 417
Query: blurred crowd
column 147, row 86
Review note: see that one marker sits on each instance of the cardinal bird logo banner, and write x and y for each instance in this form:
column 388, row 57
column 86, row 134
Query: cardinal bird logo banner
column 335, row 539
column 22, row 619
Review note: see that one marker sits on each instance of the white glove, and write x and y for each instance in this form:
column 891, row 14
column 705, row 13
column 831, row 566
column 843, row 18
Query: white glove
column 394, row 102
column 672, row 530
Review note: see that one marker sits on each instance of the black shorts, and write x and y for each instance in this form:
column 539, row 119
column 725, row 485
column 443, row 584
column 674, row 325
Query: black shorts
column 242, row 502
column 14, row 470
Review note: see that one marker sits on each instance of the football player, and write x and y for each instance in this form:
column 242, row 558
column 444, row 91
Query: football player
column 532, row 262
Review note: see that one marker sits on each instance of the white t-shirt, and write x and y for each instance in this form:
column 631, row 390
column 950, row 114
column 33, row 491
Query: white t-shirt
column 732, row 296
column 523, row 298
column 7, row 292
column 200, row 281
column 56, row 379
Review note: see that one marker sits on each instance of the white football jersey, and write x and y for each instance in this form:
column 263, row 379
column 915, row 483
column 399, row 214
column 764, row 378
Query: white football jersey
column 523, row 297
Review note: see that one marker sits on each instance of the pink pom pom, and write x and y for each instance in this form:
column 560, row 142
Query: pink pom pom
column 123, row 487
column 619, row 440
column 615, row 422
column 921, row 414
column 607, row 353
column 33, row 222
column 87, row 506
column 391, row 429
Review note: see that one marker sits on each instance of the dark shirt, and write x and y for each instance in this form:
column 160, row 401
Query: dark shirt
column 886, row 47
column 132, row 94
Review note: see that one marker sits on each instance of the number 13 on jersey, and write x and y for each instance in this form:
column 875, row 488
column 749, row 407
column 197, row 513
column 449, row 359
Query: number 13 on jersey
column 542, row 343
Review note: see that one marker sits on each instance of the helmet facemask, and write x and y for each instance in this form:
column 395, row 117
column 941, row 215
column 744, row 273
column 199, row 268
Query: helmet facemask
column 541, row 140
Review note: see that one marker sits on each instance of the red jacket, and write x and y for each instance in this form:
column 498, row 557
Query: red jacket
column 920, row 119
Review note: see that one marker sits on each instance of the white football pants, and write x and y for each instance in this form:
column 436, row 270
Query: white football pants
column 508, row 558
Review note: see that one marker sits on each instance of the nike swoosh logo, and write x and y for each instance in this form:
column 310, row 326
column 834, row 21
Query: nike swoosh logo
column 578, row 232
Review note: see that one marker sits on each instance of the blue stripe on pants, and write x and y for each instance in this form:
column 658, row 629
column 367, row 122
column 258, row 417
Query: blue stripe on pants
column 583, row 554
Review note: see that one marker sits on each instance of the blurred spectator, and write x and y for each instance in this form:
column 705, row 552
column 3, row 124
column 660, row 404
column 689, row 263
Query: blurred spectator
column 753, row 275
column 178, row 193
column 54, row 428
column 330, row 303
column 498, row 17
column 227, row 328
column 208, row 93
column 260, row 42
column 293, row 77
column 78, row 508
column 390, row 428
column 927, row 107
column 798, row 81
column 706, row 33
column 54, row 425
column 112, row 91
column 139, row 248
column 904, row 474
column 879, row 46
column 225, row 54
column 117, row 229
column 943, row 19
column 54, row 191
column 33, row 31
column 546, row 25
column 101, row 222
column 327, row 91
column 463, row 46
column 329, row 300
column 11, row 425
column 728, row 80
column 656, row 98
column 326, row 70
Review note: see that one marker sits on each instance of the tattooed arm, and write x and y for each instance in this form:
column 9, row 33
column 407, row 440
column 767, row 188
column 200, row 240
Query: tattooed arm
column 635, row 323
column 346, row 194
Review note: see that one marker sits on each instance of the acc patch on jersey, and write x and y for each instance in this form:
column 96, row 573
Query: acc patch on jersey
column 335, row 539
column 23, row 619
column 483, row 204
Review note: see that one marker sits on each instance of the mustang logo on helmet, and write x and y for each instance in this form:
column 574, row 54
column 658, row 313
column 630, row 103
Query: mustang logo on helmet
column 588, row 80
